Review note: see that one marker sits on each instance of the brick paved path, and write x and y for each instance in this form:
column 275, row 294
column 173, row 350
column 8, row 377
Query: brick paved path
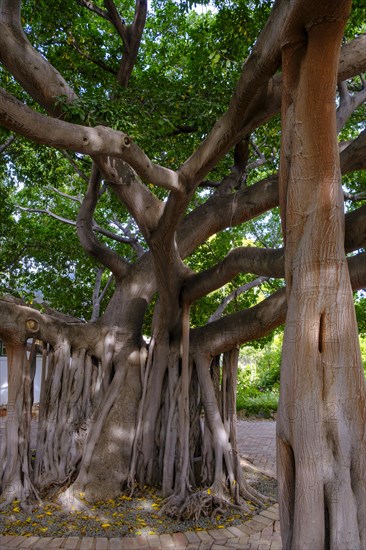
column 257, row 444
column 256, row 441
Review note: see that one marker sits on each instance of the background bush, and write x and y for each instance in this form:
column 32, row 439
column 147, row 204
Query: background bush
column 259, row 376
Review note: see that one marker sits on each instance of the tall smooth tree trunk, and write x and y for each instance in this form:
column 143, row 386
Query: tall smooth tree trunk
column 321, row 441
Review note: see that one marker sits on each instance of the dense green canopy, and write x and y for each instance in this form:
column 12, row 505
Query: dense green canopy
column 189, row 60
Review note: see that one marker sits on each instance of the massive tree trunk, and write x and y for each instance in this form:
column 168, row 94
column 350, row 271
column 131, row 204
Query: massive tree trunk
column 321, row 438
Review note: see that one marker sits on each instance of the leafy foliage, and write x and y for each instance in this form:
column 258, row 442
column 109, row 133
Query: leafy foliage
column 188, row 64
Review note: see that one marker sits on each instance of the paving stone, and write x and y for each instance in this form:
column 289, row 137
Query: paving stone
column 206, row 545
column 232, row 543
column 101, row 543
column 235, row 531
column 255, row 524
column 86, row 543
column 248, row 529
column 28, row 543
column 133, row 543
column 271, row 514
column 276, row 545
column 262, row 519
column 192, row 537
column 57, row 542
column 268, row 531
column 43, row 542
column 204, row 536
column 241, row 545
column 115, row 544
column 141, row 540
column 255, row 536
column 71, row 543
column 153, row 540
column 14, row 542
column 4, row 539
column 244, row 539
column 166, row 541
column 217, row 534
column 180, row 540
column 225, row 532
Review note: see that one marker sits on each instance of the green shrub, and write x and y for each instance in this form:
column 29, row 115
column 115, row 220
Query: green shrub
column 259, row 376
column 263, row 404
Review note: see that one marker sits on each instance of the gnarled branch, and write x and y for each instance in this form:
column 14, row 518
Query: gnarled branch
column 84, row 225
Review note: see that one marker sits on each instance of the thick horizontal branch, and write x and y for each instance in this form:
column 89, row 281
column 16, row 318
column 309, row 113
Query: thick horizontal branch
column 258, row 261
column 353, row 157
column 352, row 59
column 100, row 140
column 355, row 237
column 258, row 321
column 212, row 339
column 263, row 262
column 220, row 212
column 19, row 323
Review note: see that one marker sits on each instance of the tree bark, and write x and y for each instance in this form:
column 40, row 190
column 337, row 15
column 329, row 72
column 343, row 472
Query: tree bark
column 321, row 444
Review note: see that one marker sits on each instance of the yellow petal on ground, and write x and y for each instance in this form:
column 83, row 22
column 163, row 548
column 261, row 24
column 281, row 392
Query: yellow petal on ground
column 105, row 525
column 16, row 509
